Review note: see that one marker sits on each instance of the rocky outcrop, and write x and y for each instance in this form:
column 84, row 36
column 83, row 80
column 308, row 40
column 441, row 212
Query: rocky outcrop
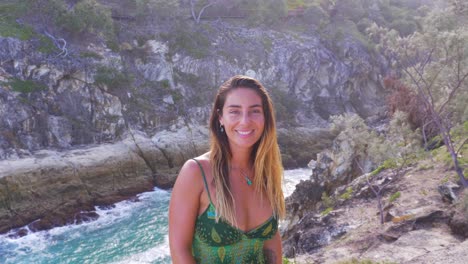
column 52, row 188
column 310, row 234
column 420, row 224
column 160, row 86
column 459, row 222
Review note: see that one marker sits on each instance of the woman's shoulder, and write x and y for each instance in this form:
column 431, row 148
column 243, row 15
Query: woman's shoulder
column 192, row 166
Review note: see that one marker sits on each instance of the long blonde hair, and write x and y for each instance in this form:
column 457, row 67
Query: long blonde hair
column 265, row 157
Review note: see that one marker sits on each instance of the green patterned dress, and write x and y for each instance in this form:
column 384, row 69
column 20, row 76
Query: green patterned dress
column 220, row 242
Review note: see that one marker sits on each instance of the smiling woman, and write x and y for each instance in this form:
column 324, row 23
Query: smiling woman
column 226, row 203
column 242, row 118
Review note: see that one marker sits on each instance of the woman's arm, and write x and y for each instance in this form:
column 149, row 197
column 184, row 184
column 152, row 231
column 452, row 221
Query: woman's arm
column 183, row 211
column 272, row 250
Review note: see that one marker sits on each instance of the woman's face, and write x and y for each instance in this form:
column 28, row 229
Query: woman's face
column 243, row 118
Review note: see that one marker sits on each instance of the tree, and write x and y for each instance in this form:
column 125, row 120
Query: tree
column 434, row 63
column 397, row 149
column 196, row 15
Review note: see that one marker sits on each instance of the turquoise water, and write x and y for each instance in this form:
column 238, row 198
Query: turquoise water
column 131, row 232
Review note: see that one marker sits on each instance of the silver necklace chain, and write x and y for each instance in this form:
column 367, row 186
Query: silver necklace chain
column 246, row 177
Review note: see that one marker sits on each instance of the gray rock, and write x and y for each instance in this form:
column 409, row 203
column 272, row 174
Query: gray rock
column 446, row 190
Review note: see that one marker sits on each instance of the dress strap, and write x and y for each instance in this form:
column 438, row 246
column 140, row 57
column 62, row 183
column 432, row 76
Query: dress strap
column 204, row 179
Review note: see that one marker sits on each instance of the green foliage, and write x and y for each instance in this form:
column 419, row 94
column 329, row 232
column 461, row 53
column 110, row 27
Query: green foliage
column 9, row 27
column 378, row 170
column 46, row 45
column 459, row 135
column 165, row 84
column 91, row 54
column 463, row 203
column 113, row 78
column 397, row 149
column 157, row 9
column 326, row 211
column 404, row 27
column 460, row 138
column 294, row 4
column 88, row 16
column 357, row 139
column 393, row 197
column 183, row 39
column 265, row 11
column 346, row 195
column 112, row 44
column 27, row 86
column 327, row 200
column 287, row 261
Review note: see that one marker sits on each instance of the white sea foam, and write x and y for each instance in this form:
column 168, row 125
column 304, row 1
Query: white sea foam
column 144, row 220
column 293, row 177
column 151, row 255
column 38, row 242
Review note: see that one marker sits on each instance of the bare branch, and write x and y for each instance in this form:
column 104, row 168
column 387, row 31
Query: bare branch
column 461, row 146
column 192, row 9
column 454, row 90
column 60, row 43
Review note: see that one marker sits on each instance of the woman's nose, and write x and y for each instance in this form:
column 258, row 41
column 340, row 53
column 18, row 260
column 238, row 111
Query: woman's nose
column 245, row 118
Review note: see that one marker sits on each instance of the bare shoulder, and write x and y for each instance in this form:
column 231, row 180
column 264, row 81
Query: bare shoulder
column 190, row 173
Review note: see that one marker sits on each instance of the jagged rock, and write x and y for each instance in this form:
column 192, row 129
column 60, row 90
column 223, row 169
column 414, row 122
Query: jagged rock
column 446, row 190
column 311, row 233
column 304, row 198
column 459, row 222
column 337, row 166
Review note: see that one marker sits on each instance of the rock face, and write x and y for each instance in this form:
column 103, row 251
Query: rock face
column 52, row 188
column 307, row 81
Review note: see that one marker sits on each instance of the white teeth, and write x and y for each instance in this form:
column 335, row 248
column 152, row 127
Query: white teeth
column 244, row 132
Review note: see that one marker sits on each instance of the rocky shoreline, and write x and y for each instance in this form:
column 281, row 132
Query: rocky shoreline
column 53, row 188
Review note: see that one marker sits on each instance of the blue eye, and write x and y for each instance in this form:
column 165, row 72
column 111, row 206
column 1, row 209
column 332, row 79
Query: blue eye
column 234, row 112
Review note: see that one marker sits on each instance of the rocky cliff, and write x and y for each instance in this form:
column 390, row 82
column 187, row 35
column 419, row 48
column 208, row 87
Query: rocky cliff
column 67, row 122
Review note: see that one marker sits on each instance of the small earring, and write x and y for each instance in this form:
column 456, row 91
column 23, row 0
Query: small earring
column 221, row 128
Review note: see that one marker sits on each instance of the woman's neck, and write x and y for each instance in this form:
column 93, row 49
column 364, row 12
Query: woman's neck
column 241, row 159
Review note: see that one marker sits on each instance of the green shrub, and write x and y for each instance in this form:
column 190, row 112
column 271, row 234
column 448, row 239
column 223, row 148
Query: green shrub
column 327, row 200
column 378, row 170
column 112, row 78
column 346, row 195
column 27, row 86
column 46, row 45
column 326, row 211
column 8, row 25
column 88, row 16
column 404, row 27
column 91, row 54
column 393, row 197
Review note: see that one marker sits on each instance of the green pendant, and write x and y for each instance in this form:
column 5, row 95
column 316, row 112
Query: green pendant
column 249, row 182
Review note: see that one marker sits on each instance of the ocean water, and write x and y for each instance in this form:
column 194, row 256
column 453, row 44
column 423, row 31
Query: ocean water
column 130, row 232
